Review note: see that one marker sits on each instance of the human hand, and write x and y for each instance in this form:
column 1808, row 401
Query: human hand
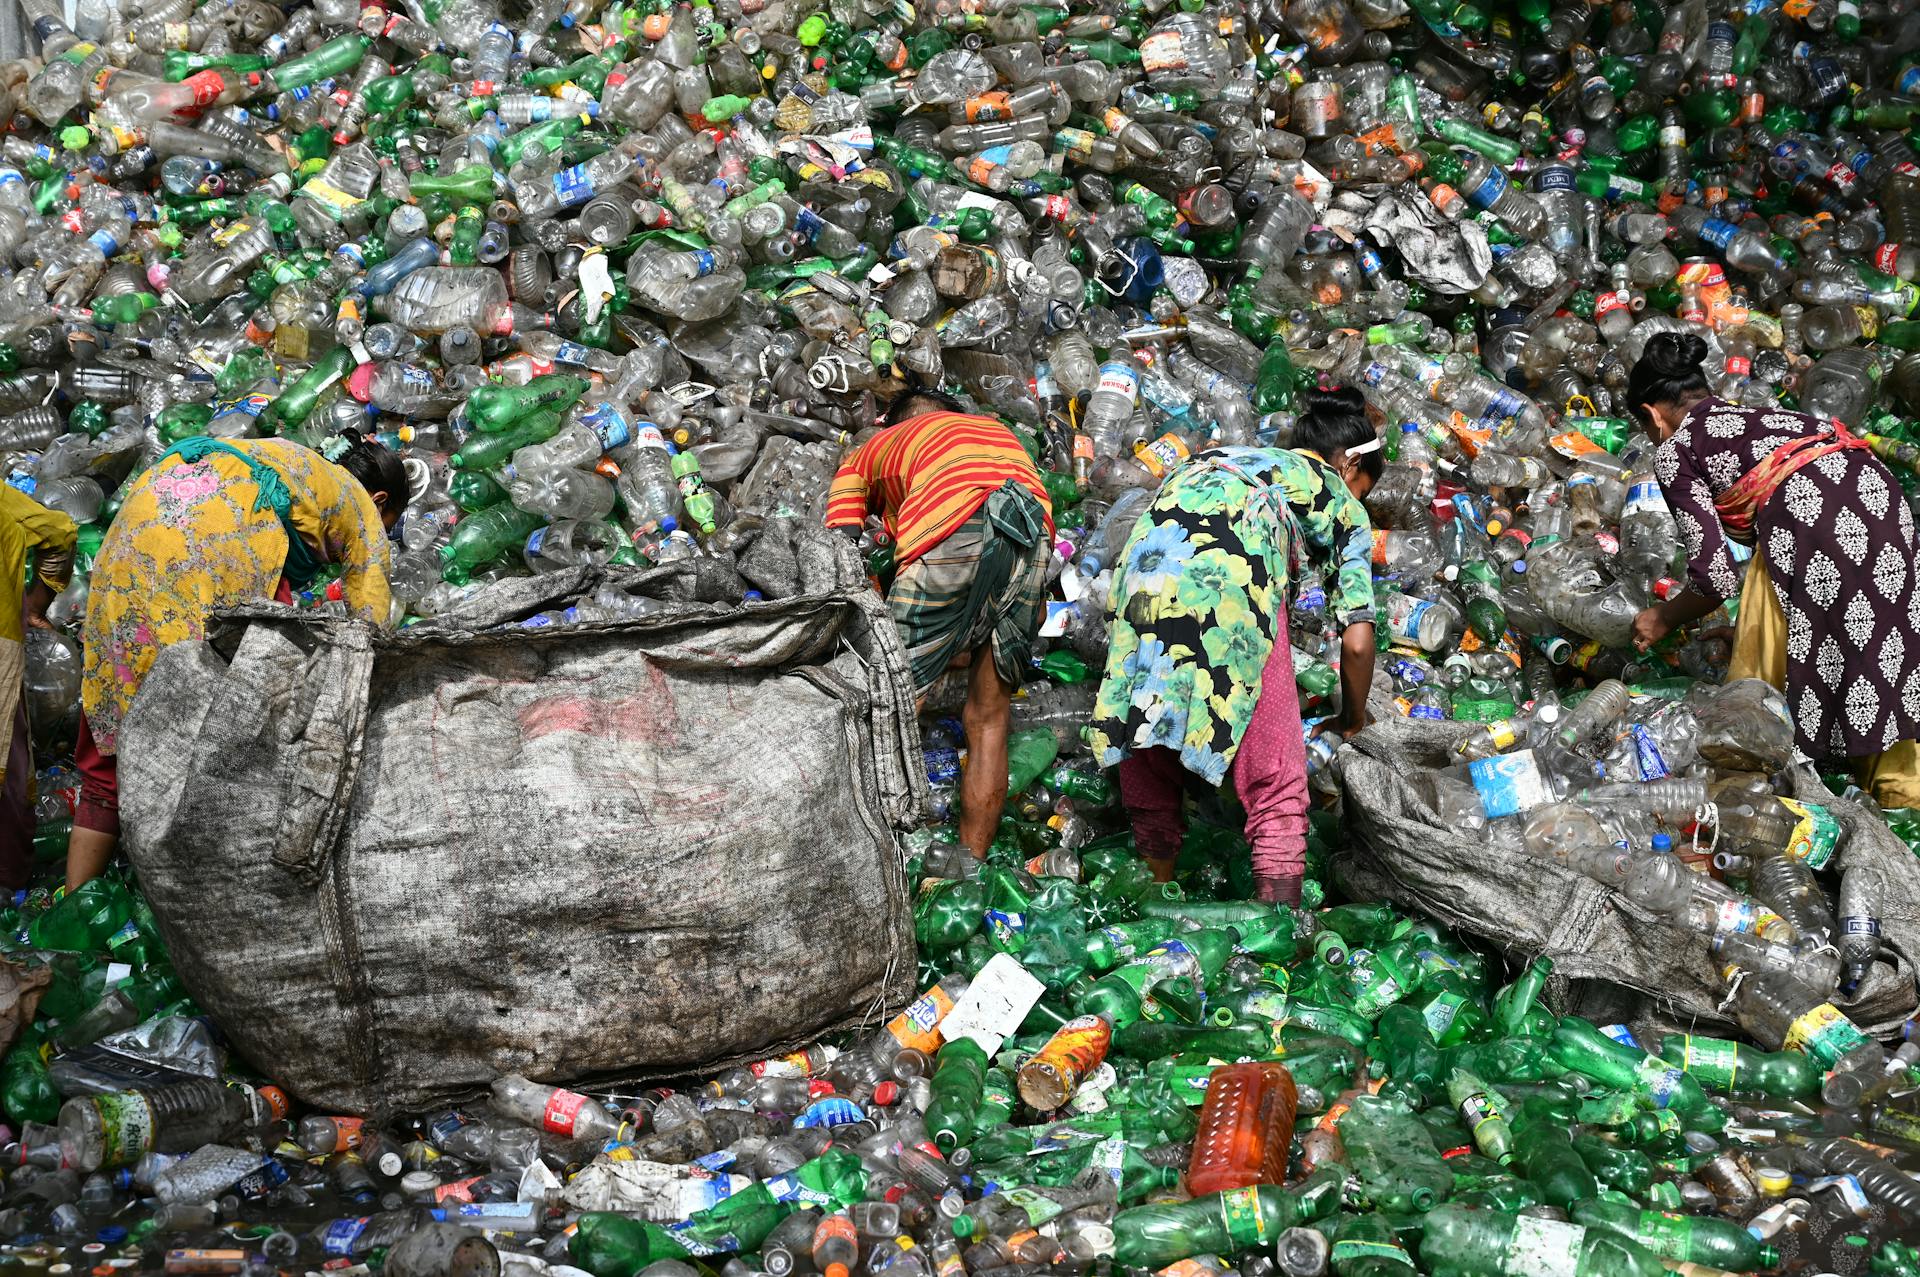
column 1649, row 627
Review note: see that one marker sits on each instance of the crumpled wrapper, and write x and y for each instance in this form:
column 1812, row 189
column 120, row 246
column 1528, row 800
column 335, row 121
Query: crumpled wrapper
column 1447, row 257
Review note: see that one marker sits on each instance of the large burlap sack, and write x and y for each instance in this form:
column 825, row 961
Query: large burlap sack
column 394, row 866
column 1397, row 849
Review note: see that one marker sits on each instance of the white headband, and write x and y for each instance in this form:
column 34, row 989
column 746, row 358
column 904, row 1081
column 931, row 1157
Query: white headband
column 1362, row 449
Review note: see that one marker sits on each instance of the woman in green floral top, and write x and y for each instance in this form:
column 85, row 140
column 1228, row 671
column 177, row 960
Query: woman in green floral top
column 1199, row 679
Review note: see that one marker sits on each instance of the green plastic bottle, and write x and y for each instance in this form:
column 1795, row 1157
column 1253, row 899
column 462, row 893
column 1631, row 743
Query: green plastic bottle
column 1393, row 1155
column 1686, row 1239
column 946, row 913
column 1491, row 1242
column 1408, row 1051
column 1581, row 1047
column 1366, row 1246
column 1030, row 751
column 959, row 1080
column 1485, row 1113
column 495, row 408
column 481, row 538
column 1225, row 1224
column 1543, row 1149
column 1734, row 1066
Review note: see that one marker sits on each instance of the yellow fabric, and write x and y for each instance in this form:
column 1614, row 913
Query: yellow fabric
column 1760, row 651
column 188, row 541
column 1760, row 637
column 24, row 524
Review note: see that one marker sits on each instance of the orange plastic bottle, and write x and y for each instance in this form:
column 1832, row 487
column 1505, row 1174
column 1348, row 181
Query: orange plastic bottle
column 1246, row 1128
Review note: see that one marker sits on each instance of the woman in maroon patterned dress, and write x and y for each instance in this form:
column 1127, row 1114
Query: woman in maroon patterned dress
column 1830, row 609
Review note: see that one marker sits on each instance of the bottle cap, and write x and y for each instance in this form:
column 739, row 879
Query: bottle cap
column 1771, row 1180
column 414, row 1183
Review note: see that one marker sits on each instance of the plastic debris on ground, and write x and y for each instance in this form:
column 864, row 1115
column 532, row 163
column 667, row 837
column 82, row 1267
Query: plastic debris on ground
column 621, row 282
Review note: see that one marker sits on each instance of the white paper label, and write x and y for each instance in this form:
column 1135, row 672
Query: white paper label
column 994, row 1004
column 1544, row 1247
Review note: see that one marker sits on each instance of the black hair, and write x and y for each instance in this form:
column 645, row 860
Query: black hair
column 1668, row 371
column 1333, row 418
column 913, row 401
column 378, row 469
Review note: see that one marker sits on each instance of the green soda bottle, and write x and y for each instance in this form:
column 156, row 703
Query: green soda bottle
column 489, row 450
column 26, row 1087
column 1687, row 1239
column 340, row 54
column 959, row 1080
column 1584, row 1049
column 1366, row 1246
column 1485, row 1113
column 1273, row 383
column 1624, row 1169
column 481, row 538
column 1545, row 1153
column 495, row 408
column 84, row 919
column 1393, row 1154
column 297, row 401
column 1225, row 1224
column 1030, row 751
column 1511, row 1004
column 611, row 1245
column 1108, row 947
column 946, row 912
column 1407, row 1049
column 1501, row 1245
column 1734, row 1066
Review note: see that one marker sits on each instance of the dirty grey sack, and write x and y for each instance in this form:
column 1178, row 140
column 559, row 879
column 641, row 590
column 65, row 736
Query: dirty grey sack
column 396, row 866
column 1397, row 849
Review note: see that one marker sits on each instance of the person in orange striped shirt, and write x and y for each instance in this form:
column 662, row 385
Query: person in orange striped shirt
column 971, row 527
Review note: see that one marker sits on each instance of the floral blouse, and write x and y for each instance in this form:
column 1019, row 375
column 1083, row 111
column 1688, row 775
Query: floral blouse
column 1199, row 598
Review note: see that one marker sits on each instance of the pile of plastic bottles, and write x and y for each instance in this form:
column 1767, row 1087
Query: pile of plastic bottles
column 624, row 280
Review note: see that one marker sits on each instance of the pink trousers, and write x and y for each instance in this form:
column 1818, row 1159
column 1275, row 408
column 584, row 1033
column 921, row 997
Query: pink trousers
column 1269, row 774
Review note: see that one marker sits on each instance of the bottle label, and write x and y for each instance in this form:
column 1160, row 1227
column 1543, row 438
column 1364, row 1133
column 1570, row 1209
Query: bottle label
column 339, row 1236
column 1502, row 732
column 1886, row 258
column 1825, row 1034
column 1544, row 1247
column 1477, row 1110
column 563, row 1107
column 1441, row 1012
column 1658, row 1080
column 1713, row 1059
column 1119, row 378
column 1509, row 784
column 1356, row 1250
column 1491, row 187
column 1644, row 498
column 570, row 185
column 126, row 1127
column 1815, row 835
column 1554, row 177
column 917, row 1027
column 1163, row 51
column 1163, row 454
column 1859, row 925
column 1240, row 1214
column 1736, row 915
column 1647, row 755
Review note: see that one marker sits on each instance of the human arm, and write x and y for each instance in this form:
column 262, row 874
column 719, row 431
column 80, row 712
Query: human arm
column 850, row 498
column 52, row 534
column 1663, row 618
column 353, row 537
column 1357, row 648
column 1711, row 572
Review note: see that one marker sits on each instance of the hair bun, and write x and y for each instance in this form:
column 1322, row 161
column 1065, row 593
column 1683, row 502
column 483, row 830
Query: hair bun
column 1331, row 397
column 1675, row 354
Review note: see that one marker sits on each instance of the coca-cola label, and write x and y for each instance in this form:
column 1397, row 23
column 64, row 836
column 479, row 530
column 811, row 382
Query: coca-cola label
column 1886, row 258
column 562, row 1108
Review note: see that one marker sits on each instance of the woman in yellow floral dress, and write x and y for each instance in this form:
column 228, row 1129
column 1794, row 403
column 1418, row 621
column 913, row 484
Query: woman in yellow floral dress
column 212, row 524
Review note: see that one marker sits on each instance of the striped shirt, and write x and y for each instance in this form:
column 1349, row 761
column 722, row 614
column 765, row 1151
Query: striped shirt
column 929, row 474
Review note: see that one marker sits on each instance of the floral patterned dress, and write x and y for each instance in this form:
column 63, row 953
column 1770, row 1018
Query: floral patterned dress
column 1200, row 598
column 188, row 541
column 1839, row 544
